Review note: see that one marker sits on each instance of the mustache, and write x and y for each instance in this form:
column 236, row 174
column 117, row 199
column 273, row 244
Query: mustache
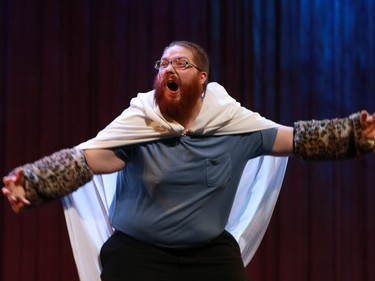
column 170, row 81
column 167, row 77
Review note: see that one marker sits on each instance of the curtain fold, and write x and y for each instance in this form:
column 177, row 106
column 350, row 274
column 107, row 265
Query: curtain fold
column 67, row 68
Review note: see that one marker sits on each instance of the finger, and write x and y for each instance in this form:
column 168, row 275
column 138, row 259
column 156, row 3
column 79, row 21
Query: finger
column 18, row 201
column 16, row 207
column 5, row 191
column 367, row 122
column 370, row 118
column 11, row 192
column 24, row 200
column 363, row 118
column 8, row 179
column 8, row 193
column 9, row 184
column 15, row 198
column 19, row 179
column 12, row 199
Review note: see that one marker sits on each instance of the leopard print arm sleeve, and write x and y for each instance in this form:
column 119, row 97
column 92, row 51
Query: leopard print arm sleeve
column 55, row 176
column 330, row 139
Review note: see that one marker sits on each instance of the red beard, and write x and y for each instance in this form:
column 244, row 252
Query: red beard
column 183, row 106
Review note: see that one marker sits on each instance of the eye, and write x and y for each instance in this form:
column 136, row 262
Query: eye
column 164, row 64
column 182, row 63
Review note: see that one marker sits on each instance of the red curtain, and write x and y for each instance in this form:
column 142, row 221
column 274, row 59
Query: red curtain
column 67, row 68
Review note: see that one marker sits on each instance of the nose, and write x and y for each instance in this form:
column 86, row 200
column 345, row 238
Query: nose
column 170, row 69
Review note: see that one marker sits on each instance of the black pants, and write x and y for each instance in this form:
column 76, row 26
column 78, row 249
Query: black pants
column 126, row 259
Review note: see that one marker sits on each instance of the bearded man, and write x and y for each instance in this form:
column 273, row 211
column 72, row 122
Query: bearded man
column 180, row 151
column 179, row 93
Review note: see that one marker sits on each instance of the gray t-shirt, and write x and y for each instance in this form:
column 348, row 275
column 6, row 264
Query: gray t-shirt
column 178, row 192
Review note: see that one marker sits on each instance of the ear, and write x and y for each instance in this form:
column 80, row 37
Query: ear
column 203, row 77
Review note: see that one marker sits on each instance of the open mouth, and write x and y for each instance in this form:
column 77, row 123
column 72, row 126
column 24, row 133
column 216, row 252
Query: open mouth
column 173, row 86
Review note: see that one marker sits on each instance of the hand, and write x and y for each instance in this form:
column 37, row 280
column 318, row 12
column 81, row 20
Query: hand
column 14, row 190
column 368, row 124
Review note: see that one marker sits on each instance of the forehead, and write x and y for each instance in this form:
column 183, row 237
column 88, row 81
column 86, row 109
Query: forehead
column 177, row 52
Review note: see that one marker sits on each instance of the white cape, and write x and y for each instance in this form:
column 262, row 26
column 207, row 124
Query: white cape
column 86, row 210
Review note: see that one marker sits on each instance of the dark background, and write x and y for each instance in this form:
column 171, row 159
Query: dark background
column 67, row 68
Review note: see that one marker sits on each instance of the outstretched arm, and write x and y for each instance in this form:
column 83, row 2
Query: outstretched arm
column 56, row 175
column 328, row 139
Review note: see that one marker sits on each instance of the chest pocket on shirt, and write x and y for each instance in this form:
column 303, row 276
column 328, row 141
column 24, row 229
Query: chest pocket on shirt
column 218, row 170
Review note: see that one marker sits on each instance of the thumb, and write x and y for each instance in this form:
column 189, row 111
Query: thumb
column 19, row 178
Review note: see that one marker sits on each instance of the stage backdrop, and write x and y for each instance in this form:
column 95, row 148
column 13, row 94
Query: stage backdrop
column 68, row 67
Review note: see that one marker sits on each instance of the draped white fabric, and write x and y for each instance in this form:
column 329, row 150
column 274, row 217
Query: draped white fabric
column 142, row 121
column 86, row 210
column 86, row 214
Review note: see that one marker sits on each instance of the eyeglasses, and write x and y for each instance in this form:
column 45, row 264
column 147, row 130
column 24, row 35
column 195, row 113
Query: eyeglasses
column 179, row 63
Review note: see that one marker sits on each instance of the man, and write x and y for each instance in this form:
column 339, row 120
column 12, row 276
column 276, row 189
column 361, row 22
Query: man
column 180, row 151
